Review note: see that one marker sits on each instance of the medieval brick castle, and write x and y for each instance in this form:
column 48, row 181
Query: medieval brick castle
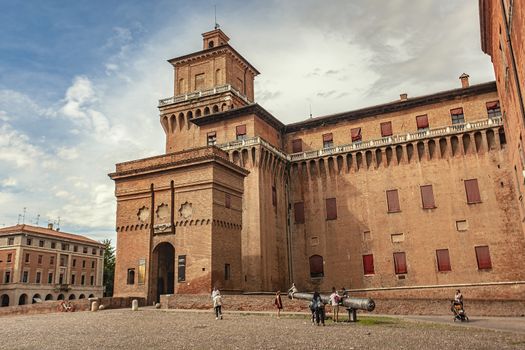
column 411, row 196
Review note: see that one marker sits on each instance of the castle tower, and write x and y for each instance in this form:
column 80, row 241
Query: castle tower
column 207, row 82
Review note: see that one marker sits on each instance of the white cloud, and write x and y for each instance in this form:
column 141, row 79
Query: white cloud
column 336, row 57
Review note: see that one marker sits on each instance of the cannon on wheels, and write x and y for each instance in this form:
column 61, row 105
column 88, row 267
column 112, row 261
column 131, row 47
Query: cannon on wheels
column 351, row 304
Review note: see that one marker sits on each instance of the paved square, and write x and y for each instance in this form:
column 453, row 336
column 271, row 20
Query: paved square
column 159, row 329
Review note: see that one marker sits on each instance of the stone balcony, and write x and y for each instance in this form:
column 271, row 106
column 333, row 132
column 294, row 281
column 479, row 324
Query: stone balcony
column 385, row 141
column 203, row 93
column 400, row 138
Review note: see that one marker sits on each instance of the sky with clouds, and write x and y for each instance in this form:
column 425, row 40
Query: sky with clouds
column 80, row 80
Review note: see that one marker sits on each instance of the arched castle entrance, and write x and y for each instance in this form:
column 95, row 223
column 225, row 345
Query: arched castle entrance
column 163, row 270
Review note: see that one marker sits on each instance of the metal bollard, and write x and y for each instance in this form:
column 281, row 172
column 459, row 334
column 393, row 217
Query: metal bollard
column 94, row 306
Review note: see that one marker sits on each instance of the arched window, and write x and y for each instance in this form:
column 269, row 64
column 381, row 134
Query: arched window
column 206, row 111
column 36, row 299
column 316, row 266
column 131, row 276
column 4, row 300
column 215, row 109
column 72, row 297
column 49, row 297
column 218, row 79
column 197, row 113
column 210, row 44
column 91, row 296
column 189, row 115
column 224, row 107
column 22, row 300
column 181, row 121
column 81, row 296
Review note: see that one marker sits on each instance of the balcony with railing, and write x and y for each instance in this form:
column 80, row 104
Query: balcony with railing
column 401, row 138
column 203, row 93
column 385, row 141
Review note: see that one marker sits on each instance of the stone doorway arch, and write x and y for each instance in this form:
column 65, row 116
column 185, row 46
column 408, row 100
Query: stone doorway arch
column 163, row 281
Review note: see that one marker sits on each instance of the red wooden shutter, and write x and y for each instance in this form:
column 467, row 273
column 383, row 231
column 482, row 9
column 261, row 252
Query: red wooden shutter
column 472, row 190
column 241, row 129
column 392, row 200
column 427, row 197
column 368, row 264
column 443, row 260
column 386, row 129
column 456, row 111
column 227, row 200
column 422, row 121
column 297, row 145
column 331, row 209
column 400, row 263
column 492, row 105
column 328, row 137
column 483, row 258
column 356, row 134
column 298, row 209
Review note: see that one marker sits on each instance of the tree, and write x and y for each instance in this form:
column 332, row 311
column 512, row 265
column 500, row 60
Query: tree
column 109, row 267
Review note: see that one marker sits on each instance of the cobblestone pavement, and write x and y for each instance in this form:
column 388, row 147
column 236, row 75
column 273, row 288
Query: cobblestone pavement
column 160, row 329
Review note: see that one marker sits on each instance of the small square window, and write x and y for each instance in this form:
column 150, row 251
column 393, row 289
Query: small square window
column 29, row 241
column 461, row 225
column 11, row 241
column 41, row 243
column 53, row 245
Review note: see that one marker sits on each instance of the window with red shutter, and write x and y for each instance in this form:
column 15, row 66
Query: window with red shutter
column 443, row 260
column 422, row 122
column 241, row 132
column 400, row 264
column 328, row 140
column 368, row 264
column 227, row 200
column 386, row 129
column 483, row 258
column 356, row 134
column 298, row 209
column 331, row 209
column 457, row 116
column 427, row 197
column 472, row 190
column 297, row 145
column 493, row 109
column 392, row 200
column 316, row 266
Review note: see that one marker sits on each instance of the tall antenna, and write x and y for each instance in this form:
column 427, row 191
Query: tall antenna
column 310, row 109
column 37, row 219
column 24, row 216
column 19, row 216
column 217, row 26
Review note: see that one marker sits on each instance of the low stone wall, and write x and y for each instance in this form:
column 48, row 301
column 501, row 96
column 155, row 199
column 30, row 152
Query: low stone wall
column 410, row 306
column 80, row 305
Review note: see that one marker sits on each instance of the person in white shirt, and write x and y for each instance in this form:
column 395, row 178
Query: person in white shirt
column 334, row 301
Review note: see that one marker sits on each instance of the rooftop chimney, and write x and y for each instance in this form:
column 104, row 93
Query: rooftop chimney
column 50, row 225
column 464, row 80
column 403, row 96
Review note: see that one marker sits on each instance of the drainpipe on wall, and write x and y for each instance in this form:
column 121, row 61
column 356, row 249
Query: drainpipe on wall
column 289, row 241
column 151, row 231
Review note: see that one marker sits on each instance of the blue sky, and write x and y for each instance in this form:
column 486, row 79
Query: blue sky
column 80, row 80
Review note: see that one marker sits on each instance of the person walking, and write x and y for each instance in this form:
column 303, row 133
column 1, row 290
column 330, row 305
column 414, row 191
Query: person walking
column 278, row 303
column 334, row 301
column 214, row 292
column 319, row 308
column 217, row 305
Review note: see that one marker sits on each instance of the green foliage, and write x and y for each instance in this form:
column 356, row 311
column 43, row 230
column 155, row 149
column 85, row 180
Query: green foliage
column 109, row 267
